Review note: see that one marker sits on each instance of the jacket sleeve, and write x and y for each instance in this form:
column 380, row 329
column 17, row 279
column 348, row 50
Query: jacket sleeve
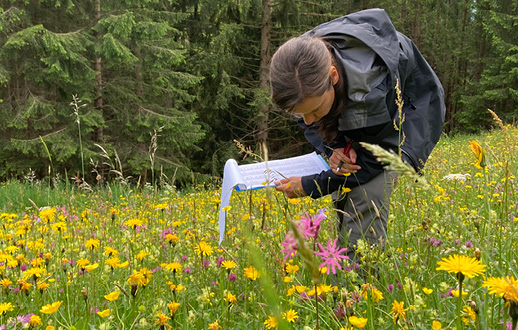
column 311, row 134
column 326, row 182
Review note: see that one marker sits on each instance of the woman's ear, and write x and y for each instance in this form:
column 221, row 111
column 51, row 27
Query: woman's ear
column 333, row 73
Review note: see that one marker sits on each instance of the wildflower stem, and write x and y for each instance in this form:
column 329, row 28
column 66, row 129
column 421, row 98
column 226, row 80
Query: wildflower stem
column 486, row 198
column 458, row 323
column 317, row 326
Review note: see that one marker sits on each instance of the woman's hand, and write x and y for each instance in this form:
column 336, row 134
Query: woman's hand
column 349, row 163
column 292, row 187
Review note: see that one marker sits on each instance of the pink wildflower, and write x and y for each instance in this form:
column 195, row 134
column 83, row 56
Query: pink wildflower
column 310, row 225
column 290, row 246
column 331, row 256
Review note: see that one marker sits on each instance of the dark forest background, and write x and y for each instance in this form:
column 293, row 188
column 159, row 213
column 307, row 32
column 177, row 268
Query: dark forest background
column 159, row 89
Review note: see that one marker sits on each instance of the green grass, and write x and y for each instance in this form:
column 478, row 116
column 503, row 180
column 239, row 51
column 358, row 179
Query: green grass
column 47, row 230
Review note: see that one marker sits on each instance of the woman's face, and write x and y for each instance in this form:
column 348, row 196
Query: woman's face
column 313, row 108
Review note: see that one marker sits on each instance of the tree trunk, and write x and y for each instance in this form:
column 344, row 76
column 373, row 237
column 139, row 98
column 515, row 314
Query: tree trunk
column 262, row 136
column 417, row 34
column 98, row 102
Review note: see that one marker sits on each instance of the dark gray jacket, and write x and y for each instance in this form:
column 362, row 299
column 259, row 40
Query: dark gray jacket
column 373, row 56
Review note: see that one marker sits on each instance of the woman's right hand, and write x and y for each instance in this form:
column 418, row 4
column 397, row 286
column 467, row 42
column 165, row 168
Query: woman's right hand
column 349, row 163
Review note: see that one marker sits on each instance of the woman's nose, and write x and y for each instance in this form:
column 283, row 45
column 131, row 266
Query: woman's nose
column 309, row 119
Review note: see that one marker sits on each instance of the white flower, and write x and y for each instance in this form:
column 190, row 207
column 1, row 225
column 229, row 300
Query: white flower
column 456, row 177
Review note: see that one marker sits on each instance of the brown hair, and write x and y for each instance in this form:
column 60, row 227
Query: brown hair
column 299, row 69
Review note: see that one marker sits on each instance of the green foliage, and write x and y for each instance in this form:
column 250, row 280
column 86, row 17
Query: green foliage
column 497, row 86
column 191, row 68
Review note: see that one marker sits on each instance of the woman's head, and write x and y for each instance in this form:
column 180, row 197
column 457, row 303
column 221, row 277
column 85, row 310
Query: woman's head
column 300, row 68
column 302, row 76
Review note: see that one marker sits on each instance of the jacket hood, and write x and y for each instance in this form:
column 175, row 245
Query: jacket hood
column 372, row 26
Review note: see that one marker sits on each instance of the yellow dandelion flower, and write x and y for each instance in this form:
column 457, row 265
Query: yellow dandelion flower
column 136, row 279
column 271, row 323
column 35, row 321
column 358, row 322
column 468, row 314
column 173, row 266
column 50, row 308
column 290, row 316
column 214, row 325
column 427, row 291
column 5, row 283
column 81, row 263
column 162, row 319
column 47, row 214
column 176, row 288
column 228, row 264
column 35, row 271
column 6, row 307
column 172, row 238
column 42, row 286
column 92, row 244
column 467, row 266
column 398, row 310
column 291, row 269
column 112, row 262
column 370, row 290
column 104, row 313
column 141, row 255
column 59, row 227
column 173, row 307
column 24, row 286
column 112, row 296
column 123, row 265
column 252, row 273
column 109, row 251
column 506, row 287
column 300, row 288
column 203, row 248
column 436, row 325
column 345, row 190
column 91, row 267
column 230, row 298
column 133, row 223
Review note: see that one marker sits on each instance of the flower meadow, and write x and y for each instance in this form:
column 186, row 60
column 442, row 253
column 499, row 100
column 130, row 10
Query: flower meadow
column 117, row 258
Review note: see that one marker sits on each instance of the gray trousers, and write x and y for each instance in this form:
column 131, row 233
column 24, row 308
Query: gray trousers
column 363, row 212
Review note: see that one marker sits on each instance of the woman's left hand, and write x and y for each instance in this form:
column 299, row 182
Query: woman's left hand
column 292, row 187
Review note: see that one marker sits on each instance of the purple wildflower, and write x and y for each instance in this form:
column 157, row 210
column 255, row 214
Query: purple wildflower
column 165, row 232
column 390, row 288
column 24, row 319
column 340, row 312
column 469, row 245
column 435, row 242
column 232, row 277
column 290, row 246
column 331, row 256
